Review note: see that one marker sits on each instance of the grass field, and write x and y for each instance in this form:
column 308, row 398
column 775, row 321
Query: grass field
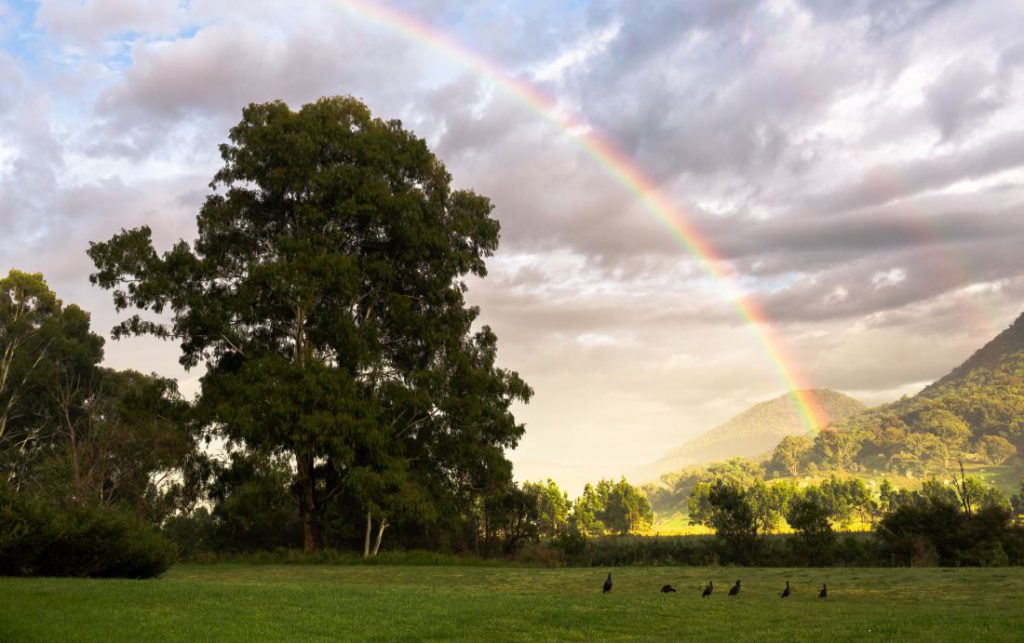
column 305, row 602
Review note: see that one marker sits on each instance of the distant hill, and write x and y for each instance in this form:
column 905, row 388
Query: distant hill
column 751, row 433
column 1007, row 347
column 975, row 413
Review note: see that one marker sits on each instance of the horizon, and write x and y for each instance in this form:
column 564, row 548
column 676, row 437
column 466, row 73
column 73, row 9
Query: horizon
column 856, row 172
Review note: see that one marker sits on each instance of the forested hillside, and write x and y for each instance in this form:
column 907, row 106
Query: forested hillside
column 974, row 415
column 751, row 433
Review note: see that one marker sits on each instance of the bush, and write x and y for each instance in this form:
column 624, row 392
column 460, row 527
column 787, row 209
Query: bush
column 937, row 532
column 193, row 534
column 541, row 556
column 814, row 542
column 25, row 531
column 612, row 551
column 40, row 540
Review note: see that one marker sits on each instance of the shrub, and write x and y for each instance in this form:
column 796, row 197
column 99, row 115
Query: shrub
column 42, row 540
column 106, row 544
column 814, row 541
column 25, row 531
column 937, row 532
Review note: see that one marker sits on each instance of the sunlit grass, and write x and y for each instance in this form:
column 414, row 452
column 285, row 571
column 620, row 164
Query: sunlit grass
column 282, row 602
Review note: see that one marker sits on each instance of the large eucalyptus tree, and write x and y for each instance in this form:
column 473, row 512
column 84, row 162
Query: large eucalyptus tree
column 325, row 296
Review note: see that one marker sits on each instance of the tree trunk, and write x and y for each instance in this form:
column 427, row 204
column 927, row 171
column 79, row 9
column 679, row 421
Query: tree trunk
column 312, row 530
column 369, row 530
column 384, row 524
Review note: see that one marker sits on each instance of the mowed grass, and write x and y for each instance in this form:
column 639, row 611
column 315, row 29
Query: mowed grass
column 306, row 602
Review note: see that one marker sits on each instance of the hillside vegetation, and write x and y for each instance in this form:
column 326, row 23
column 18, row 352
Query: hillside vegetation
column 974, row 415
column 751, row 433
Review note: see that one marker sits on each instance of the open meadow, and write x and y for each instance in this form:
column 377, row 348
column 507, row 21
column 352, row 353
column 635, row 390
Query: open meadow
column 330, row 602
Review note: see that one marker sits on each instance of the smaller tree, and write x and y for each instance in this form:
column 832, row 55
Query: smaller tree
column 698, row 504
column 814, row 541
column 627, row 509
column 837, row 448
column 587, row 512
column 512, row 517
column 789, row 456
column 735, row 523
column 995, row 450
column 553, row 507
column 770, row 503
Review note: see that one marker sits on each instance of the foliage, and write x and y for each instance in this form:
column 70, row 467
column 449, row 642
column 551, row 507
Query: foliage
column 511, row 518
column 814, row 541
column 36, row 539
column 975, row 413
column 45, row 347
column 611, row 507
column 252, row 507
column 939, row 525
column 553, row 506
column 790, row 456
column 732, row 515
column 995, row 449
column 676, row 489
column 325, row 295
column 756, row 430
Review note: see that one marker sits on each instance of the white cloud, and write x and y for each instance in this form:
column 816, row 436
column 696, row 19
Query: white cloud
column 888, row 278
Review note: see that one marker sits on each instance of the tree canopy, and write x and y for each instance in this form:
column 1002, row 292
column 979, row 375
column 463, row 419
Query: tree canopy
column 325, row 296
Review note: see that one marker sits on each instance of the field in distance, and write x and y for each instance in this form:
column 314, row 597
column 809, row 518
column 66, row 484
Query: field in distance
column 306, row 602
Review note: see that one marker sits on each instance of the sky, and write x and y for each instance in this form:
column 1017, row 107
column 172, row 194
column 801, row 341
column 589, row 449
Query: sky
column 856, row 165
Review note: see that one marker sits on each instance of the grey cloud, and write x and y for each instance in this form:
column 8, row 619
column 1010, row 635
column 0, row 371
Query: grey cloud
column 87, row 24
column 966, row 92
column 11, row 81
column 32, row 174
column 886, row 183
column 885, row 18
column 724, row 92
column 204, row 81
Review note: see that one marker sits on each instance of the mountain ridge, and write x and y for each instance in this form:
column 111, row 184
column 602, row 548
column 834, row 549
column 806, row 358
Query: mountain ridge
column 750, row 433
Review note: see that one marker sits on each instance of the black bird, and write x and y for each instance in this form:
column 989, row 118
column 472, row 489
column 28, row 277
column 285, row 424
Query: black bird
column 735, row 589
column 786, row 592
column 667, row 588
column 824, row 591
column 707, row 590
column 607, row 584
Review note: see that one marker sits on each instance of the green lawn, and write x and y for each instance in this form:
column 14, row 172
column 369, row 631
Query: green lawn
column 305, row 602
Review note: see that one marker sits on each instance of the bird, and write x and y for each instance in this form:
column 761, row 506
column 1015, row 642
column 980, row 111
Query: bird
column 735, row 589
column 707, row 590
column 786, row 592
column 667, row 588
column 607, row 584
column 824, row 591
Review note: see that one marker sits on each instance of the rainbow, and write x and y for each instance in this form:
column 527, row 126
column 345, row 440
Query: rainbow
column 619, row 167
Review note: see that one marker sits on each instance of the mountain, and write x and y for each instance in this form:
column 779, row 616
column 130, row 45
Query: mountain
column 1007, row 347
column 974, row 414
column 751, row 433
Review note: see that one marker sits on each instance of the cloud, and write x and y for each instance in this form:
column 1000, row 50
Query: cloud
column 856, row 165
column 966, row 92
column 86, row 24
column 885, row 183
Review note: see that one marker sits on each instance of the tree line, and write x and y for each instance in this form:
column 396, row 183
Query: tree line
column 323, row 300
column 964, row 522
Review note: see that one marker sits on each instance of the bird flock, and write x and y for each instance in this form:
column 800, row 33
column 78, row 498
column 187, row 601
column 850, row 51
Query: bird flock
column 710, row 587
